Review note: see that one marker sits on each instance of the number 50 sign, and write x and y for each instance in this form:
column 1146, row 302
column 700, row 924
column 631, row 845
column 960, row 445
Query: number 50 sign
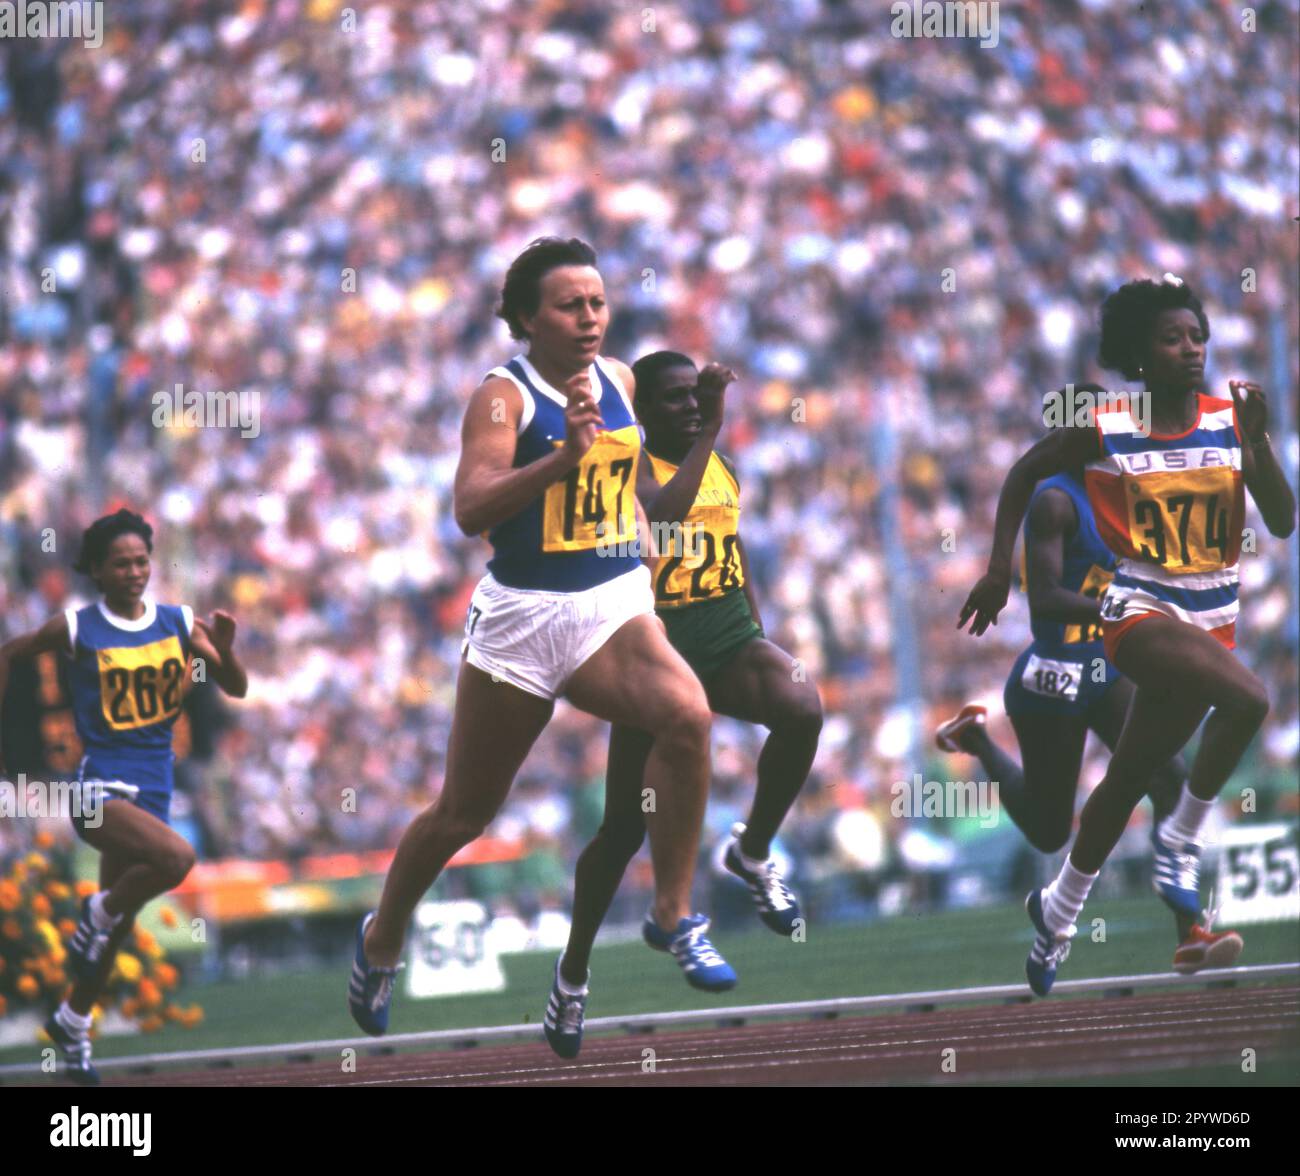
column 1259, row 875
column 451, row 952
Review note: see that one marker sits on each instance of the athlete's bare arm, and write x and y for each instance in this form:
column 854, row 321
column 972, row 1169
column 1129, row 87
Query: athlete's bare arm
column 673, row 500
column 488, row 488
column 1259, row 466
column 1052, row 520
column 214, row 643
column 1061, row 450
column 51, row 637
column 750, row 594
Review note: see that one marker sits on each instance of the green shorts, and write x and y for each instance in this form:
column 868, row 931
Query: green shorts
column 708, row 634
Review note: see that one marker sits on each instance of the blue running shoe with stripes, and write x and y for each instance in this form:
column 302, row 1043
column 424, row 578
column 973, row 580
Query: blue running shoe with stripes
column 699, row 959
column 370, row 989
column 75, row 1048
column 565, row 1012
column 1177, row 874
column 1050, row 947
column 777, row 906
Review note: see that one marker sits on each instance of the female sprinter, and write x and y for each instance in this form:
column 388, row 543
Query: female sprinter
column 1165, row 475
column 550, row 448
column 129, row 667
column 1062, row 686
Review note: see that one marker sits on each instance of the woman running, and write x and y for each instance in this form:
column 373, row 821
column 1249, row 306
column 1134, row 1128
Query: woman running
column 1063, row 686
column 1164, row 473
column 705, row 597
column 130, row 664
column 550, row 449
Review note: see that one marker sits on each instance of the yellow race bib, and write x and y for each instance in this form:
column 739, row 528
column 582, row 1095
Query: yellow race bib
column 595, row 503
column 701, row 558
column 141, row 685
column 1179, row 519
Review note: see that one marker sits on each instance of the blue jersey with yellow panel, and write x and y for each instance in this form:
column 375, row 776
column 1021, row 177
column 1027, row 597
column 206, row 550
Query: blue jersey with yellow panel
column 582, row 531
column 126, row 680
column 1087, row 567
column 1065, row 670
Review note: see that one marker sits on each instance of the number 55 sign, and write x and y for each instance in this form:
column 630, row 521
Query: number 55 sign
column 450, row 953
column 1259, row 875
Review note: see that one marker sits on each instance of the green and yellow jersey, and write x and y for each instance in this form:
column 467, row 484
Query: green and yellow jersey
column 700, row 559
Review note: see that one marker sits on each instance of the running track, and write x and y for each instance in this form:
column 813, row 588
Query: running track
column 1046, row 1039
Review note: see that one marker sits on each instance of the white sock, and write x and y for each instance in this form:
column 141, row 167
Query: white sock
column 99, row 916
column 1064, row 898
column 569, row 989
column 1184, row 823
column 73, row 1021
column 753, row 865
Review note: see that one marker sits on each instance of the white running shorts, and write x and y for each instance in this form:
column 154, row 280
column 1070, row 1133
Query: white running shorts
column 536, row 640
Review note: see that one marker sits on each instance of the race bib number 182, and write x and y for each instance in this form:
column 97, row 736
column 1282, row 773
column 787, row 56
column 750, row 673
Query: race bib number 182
column 1055, row 679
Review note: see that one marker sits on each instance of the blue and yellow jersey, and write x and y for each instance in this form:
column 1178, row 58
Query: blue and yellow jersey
column 1172, row 508
column 126, row 678
column 705, row 563
column 582, row 531
column 1087, row 568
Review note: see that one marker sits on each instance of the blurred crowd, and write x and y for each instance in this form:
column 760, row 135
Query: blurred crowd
column 901, row 244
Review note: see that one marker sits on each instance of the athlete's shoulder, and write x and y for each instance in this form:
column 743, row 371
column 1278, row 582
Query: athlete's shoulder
column 1053, row 510
column 1217, row 412
column 1115, row 415
column 622, row 373
column 500, row 398
column 181, row 615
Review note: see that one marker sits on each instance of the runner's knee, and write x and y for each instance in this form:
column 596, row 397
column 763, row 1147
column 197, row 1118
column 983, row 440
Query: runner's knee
column 1051, row 837
column 174, row 863
column 1250, row 704
column 620, row 841
column 685, row 724
column 804, row 714
column 459, row 826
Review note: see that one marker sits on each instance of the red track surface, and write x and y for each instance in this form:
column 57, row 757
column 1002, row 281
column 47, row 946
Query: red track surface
column 1068, row 1038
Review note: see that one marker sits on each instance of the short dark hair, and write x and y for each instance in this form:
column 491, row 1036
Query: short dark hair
column 648, row 368
column 1128, row 317
column 99, row 536
column 522, row 292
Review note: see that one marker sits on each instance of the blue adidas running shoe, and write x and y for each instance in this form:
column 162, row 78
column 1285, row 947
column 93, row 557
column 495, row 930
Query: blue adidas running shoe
column 75, row 1048
column 1177, row 874
column 699, row 959
column 1050, row 948
column 370, row 989
column 564, row 1016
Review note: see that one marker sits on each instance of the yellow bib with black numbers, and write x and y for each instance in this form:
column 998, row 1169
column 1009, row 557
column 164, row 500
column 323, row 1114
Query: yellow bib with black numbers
column 141, row 685
column 595, row 503
column 701, row 559
column 1186, row 521
column 1094, row 587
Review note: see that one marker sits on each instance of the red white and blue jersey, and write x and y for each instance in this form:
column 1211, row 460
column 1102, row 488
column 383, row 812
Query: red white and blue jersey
column 1172, row 508
column 126, row 679
column 582, row 530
